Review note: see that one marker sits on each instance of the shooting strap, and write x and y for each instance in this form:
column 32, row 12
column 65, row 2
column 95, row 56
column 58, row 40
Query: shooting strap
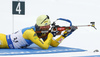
column 66, row 20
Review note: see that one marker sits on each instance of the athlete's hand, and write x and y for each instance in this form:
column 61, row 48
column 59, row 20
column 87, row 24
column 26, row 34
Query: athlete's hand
column 72, row 29
column 54, row 33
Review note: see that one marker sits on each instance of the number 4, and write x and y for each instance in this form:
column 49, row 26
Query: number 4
column 18, row 8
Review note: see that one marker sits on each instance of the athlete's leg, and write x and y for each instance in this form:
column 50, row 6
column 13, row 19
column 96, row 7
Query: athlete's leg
column 3, row 41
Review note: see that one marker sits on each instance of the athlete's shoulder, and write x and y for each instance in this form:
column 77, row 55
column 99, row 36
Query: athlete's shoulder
column 32, row 28
column 29, row 33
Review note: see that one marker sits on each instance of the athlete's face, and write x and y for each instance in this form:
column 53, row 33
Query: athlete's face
column 44, row 28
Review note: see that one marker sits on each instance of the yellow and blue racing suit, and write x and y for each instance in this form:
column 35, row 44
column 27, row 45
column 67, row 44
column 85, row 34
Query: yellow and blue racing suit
column 25, row 37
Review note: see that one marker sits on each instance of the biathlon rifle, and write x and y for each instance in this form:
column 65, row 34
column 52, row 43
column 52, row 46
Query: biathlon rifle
column 62, row 28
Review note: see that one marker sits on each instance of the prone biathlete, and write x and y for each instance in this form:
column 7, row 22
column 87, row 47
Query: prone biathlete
column 27, row 36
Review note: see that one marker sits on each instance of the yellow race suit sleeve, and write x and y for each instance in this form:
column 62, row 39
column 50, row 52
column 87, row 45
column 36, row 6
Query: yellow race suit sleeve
column 31, row 35
column 56, row 42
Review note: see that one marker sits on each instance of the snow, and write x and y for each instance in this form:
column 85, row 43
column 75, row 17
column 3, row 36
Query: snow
column 80, row 12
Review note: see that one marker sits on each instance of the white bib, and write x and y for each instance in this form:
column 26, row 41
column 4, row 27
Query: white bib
column 18, row 40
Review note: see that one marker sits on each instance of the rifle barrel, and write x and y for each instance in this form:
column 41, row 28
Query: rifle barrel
column 83, row 25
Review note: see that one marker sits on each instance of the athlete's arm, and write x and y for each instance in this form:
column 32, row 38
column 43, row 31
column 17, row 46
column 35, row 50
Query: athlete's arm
column 68, row 32
column 56, row 42
column 31, row 35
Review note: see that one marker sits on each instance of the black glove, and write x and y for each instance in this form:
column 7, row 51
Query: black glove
column 54, row 33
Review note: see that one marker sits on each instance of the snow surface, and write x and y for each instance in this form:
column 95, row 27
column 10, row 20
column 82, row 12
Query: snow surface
column 80, row 12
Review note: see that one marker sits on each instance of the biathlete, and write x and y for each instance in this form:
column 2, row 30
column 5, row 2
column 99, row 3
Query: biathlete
column 27, row 36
